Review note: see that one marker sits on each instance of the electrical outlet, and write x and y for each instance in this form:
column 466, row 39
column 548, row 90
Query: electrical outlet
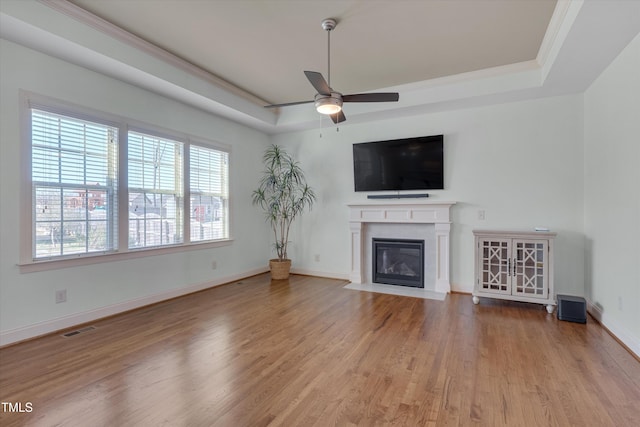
column 481, row 215
column 620, row 303
column 61, row 296
column 214, row 264
column 317, row 257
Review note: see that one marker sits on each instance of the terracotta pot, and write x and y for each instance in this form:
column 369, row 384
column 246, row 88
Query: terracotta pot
column 280, row 269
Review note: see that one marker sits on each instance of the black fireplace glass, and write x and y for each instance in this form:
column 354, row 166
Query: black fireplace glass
column 398, row 262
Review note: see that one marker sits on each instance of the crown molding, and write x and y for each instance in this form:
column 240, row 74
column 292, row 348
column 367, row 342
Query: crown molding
column 559, row 26
column 81, row 15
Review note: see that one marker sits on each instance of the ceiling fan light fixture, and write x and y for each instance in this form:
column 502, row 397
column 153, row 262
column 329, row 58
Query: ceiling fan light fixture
column 328, row 105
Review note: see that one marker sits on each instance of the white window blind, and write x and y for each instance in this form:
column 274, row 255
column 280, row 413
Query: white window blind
column 208, row 185
column 74, row 185
column 155, row 176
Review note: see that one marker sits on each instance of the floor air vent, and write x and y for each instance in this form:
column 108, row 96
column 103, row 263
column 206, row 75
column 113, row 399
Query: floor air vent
column 78, row 331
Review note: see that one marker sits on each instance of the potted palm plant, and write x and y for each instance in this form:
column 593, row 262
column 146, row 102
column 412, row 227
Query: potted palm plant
column 283, row 194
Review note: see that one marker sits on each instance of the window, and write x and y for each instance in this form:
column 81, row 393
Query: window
column 74, row 182
column 176, row 190
column 208, row 189
column 155, row 191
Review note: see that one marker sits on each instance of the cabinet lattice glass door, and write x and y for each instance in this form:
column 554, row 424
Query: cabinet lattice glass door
column 495, row 264
column 529, row 270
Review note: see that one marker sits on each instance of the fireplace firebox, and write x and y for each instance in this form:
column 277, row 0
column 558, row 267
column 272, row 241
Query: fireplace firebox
column 398, row 262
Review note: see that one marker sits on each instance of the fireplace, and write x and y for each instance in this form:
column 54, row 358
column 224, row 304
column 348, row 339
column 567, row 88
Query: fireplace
column 428, row 220
column 398, row 262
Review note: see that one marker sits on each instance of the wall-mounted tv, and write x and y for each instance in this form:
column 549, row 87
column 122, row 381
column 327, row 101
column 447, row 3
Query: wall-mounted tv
column 400, row 164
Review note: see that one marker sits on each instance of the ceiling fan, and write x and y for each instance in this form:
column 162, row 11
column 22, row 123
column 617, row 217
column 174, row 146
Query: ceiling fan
column 327, row 100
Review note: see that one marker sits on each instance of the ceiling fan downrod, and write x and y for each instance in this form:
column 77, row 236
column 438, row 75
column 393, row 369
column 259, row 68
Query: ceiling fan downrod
column 328, row 25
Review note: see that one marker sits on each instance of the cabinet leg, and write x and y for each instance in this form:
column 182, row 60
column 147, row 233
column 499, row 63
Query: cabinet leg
column 475, row 299
column 549, row 308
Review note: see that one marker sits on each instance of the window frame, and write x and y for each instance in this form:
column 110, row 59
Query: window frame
column 68, row 186
column 27, row 262
column 188, row 195
column 183, row 145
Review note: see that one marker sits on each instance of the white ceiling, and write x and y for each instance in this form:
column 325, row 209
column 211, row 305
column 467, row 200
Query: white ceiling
column 263, row 46
column 231, row 58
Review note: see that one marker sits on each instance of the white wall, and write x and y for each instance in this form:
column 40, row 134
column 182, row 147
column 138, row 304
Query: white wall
column 612, row 195
column 519, row 162
column 27, row 303
column 557, row 162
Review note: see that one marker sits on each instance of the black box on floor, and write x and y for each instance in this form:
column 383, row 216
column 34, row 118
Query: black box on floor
column 572, row 308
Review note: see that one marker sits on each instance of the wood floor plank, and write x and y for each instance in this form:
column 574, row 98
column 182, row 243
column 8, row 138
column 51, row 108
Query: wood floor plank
column 307, row 352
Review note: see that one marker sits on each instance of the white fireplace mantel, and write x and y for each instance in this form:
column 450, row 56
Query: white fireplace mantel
column 437, row 213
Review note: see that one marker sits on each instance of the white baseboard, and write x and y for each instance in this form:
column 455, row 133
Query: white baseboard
column 43, row 328
column 620, row 332
column 307, row 272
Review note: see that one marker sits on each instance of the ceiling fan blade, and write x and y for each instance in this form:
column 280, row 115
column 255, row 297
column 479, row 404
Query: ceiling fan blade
column 338, row 117
column 286, row 104
column 318, row 82
column 372, row 97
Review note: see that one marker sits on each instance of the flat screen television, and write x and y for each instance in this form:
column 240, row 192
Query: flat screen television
column 399, row 164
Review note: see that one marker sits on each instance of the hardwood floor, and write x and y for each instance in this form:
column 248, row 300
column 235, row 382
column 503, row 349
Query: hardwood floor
column 306, row 352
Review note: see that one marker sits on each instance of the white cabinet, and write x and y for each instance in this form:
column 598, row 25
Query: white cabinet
column 514, row 265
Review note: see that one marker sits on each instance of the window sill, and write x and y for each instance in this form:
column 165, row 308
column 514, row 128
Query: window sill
column 81, row 260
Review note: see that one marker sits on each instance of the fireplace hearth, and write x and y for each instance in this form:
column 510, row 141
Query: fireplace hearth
column 398, row 262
